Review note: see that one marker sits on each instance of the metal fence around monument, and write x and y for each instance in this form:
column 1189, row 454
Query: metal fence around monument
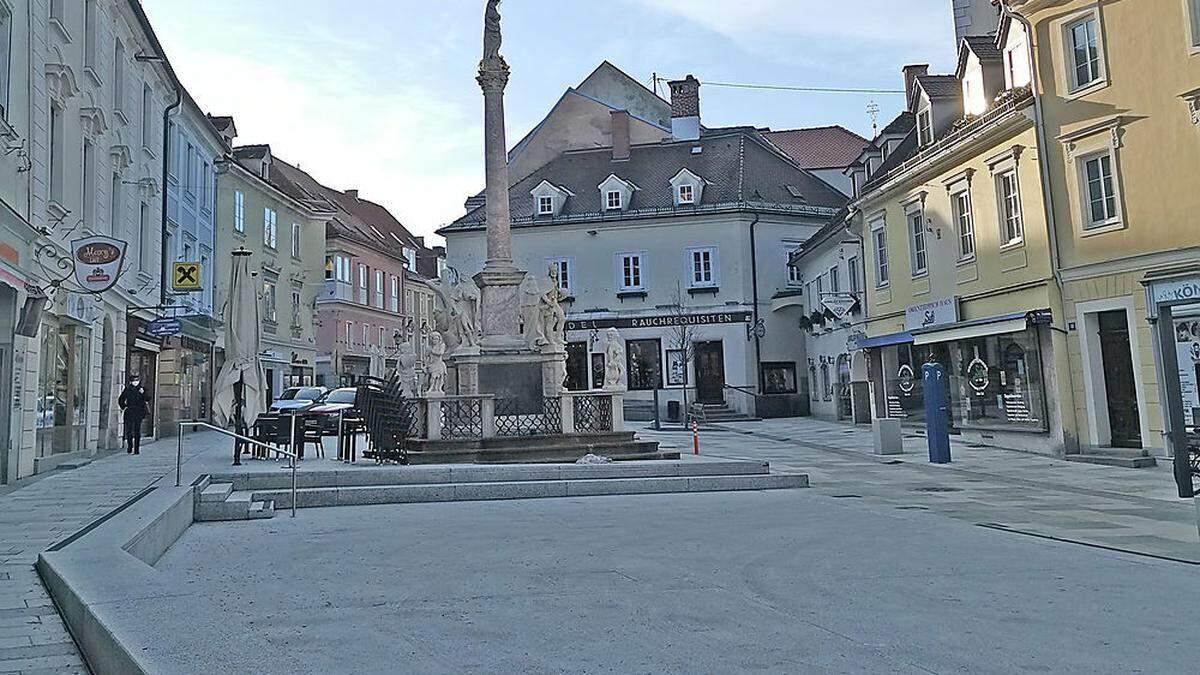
column 462, row 418
column 510, row 421
column 593, row 414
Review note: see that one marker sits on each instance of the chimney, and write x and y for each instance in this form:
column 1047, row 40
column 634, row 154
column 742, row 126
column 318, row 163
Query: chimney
column 620, row 135
column 353, row 194
column 685, row 109
column 911, row 73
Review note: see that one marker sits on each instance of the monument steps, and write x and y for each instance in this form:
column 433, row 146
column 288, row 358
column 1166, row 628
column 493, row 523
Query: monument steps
column 621, row 446
column 259, row 494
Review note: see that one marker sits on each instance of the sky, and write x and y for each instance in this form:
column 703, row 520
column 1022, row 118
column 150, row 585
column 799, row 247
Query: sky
column 380, row 96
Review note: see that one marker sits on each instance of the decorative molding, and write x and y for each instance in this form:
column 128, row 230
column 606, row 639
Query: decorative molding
column 1192, row 98
column 93, row 121
column 60, row 80
column 1012, row 154
column 964, row 176
column 1113, row 125
column 149, row 187
column 122, row 158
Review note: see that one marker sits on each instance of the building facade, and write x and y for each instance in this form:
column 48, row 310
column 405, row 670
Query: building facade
column 1120, row 155
column 284, row 230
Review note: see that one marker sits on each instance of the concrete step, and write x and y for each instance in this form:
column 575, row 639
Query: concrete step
column 564, row 452
column 490, row 491
column 236, row 507
column 216, row 492
column 261, row 510
column 1126, row 460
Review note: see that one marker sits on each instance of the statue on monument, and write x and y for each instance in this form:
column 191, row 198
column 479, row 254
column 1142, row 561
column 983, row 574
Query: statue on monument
column 460, row 317
column 492, row 37
column 532, row 326
column 554, row 319
column 614, row 361
column 436, row 367
column 407, row 362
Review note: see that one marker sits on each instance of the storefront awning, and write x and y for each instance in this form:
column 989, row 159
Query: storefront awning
column 995, row 325
column 884, row 340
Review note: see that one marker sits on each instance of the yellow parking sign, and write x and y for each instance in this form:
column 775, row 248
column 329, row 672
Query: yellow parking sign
column 186, row 277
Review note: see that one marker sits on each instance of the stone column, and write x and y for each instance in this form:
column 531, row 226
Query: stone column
column 500, row 279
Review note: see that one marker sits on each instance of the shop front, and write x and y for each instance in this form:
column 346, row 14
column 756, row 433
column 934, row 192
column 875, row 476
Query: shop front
column 142, row 352
column 64, row 375
column 185, row 380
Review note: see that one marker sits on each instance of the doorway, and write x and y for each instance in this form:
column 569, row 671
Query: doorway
column 845, row 403
column 577, row 366
column 107, row 436
column 1120, row 387
column 710, row 372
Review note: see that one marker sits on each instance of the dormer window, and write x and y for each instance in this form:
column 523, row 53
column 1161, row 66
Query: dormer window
column 545, row 205
column 549, row 199
column 616, row 194
column 687, row 194
column 925, row 127
column 612, row 200
column 688, row 188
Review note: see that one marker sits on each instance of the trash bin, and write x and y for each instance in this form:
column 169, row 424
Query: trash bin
column 674, row 408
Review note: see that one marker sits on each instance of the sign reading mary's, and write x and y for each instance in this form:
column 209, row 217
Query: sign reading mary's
column 97, row 262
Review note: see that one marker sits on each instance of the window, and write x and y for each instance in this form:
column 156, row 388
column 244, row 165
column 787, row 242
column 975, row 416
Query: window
column 408, row 303
column 826, row 390
column 296, row 240
column 1194, row 20
column 835, row 280
column 965, row 221
column 794, row 275
column 270, row 229
column 89, row 34
column 366, row 334
column 631, row 272
column 362, row 284
column 189, row 176
column 703, row 267
column 566, row 275
column 545, row 205
column 296, row 309
column 379, row 289
column 56, row 153
column 1011, row 228
column 119, row 77
column 205, row 172
column 382, row 336
column 852, row 274
column 88, row 198
column 916, row 227
column 779, row 377
column 613, row 200
column 5, row 58
column 643, row 364
column 349, row 331
column 268, row 301
column 394, row 296
column 144, row 253
column 114, row 213
column 56, row 10
column 881, row 256
column 188, row 248
column 1100, row 191
column 239, row 211
column 147, row 116
column 687, row 194
column 925, row 126
column 1083, row 42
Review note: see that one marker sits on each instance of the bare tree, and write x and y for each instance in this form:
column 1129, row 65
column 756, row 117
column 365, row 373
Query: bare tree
column 682, row 338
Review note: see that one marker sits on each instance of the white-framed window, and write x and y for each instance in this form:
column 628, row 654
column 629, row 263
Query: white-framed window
column 366, row 333
column 205, row 195
column 239, row 211
column 89, row 184
column 394, row 295
column 835, row 280
column 916, row 240
column 90, row 37
column 545, row 205
column 687, row 194
column 1008, row 194
column 964, row 221
column 114, row 205
column 296, row 240
column 118, row 76
column 793, row 276
column 382, row 336
column 565, row 267
column 1084, row 55
column 410, row 256
column 349, row 331
column 145, row 257
column 57, row 148
column 925, row 126
column 852, row 274
column 1098, row 180
column 270, row 229
column 379, row 289
column 362, row 284
column 702, row 267
column 612, row 200
column 147, row 116
column 879, row 237
column 1193, row 11
column 295, row 308
column 631, row 271
column 269, row 300
column 6, row 27
column 189, row 176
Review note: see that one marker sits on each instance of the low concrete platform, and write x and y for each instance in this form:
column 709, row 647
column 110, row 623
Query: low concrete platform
column 618, row 446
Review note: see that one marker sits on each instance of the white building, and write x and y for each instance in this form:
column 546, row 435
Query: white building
column 695, row 230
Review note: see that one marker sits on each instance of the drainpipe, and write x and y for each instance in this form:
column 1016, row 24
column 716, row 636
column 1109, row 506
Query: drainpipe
column 754, row 293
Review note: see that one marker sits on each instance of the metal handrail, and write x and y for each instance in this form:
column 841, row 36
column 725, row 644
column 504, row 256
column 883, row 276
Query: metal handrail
column 291, row 455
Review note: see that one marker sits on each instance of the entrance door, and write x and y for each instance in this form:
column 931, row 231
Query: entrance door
column 845, row 408
column 710, row 372
column 1120, row 390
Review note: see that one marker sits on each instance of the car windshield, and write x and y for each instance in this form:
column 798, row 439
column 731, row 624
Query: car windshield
column 301, row 394
column 289, row 394
column 341, row 396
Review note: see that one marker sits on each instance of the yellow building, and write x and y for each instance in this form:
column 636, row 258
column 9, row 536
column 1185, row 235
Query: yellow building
column 958, row 254
column 1120, row 107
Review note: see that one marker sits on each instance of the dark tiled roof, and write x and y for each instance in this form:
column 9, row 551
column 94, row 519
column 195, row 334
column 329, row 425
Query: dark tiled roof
column 903, row 124
column 251, row 151
column 220, row 123
column 984, row 47
column 940, row 86
column 819, row 147
column 901, row 154
column 739, row 167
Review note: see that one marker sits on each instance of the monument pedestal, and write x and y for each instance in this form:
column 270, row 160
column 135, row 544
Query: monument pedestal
column 519, row 377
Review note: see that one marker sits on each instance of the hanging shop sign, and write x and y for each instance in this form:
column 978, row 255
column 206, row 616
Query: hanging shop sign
column 1182, row 291
column 186, row 277
column 930, row 314
column 161, row 328
column 660, row 321
column 98, row 262
column 839, row 303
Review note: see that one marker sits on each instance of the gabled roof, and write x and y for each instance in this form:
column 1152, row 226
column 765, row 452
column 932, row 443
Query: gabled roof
column 984, row 48
column 903, row 152
column 741, row 168
column 831, row 147
column 940, row 86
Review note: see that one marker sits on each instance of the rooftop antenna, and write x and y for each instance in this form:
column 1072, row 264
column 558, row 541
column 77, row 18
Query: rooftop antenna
column 873, row 111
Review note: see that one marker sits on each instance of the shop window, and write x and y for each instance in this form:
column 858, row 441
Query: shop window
column 644, row 364
column 779, row 378
column 826, row 389
column 997, row 382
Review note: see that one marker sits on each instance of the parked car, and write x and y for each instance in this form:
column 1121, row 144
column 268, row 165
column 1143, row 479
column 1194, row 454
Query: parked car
column 298, row 398
column 339, row 400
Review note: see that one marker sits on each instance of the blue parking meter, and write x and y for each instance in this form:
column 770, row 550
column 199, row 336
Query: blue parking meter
column 937, row 412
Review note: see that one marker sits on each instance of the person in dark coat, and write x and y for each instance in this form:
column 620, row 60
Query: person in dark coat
column 135, row 403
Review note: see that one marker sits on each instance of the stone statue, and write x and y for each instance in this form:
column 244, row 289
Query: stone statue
column 614, row 361
column 407, row 364
column 492, row 37
column 533, row 328
column 554, row 319
column 435, row 365
column 460, row 316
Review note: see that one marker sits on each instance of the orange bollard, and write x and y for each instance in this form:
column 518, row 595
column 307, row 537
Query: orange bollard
column 695, row 437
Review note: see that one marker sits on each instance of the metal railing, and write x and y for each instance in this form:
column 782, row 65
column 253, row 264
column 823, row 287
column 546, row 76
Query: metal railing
column 290, row 454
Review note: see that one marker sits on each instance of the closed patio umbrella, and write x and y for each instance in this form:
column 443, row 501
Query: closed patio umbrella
column 240, row 384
